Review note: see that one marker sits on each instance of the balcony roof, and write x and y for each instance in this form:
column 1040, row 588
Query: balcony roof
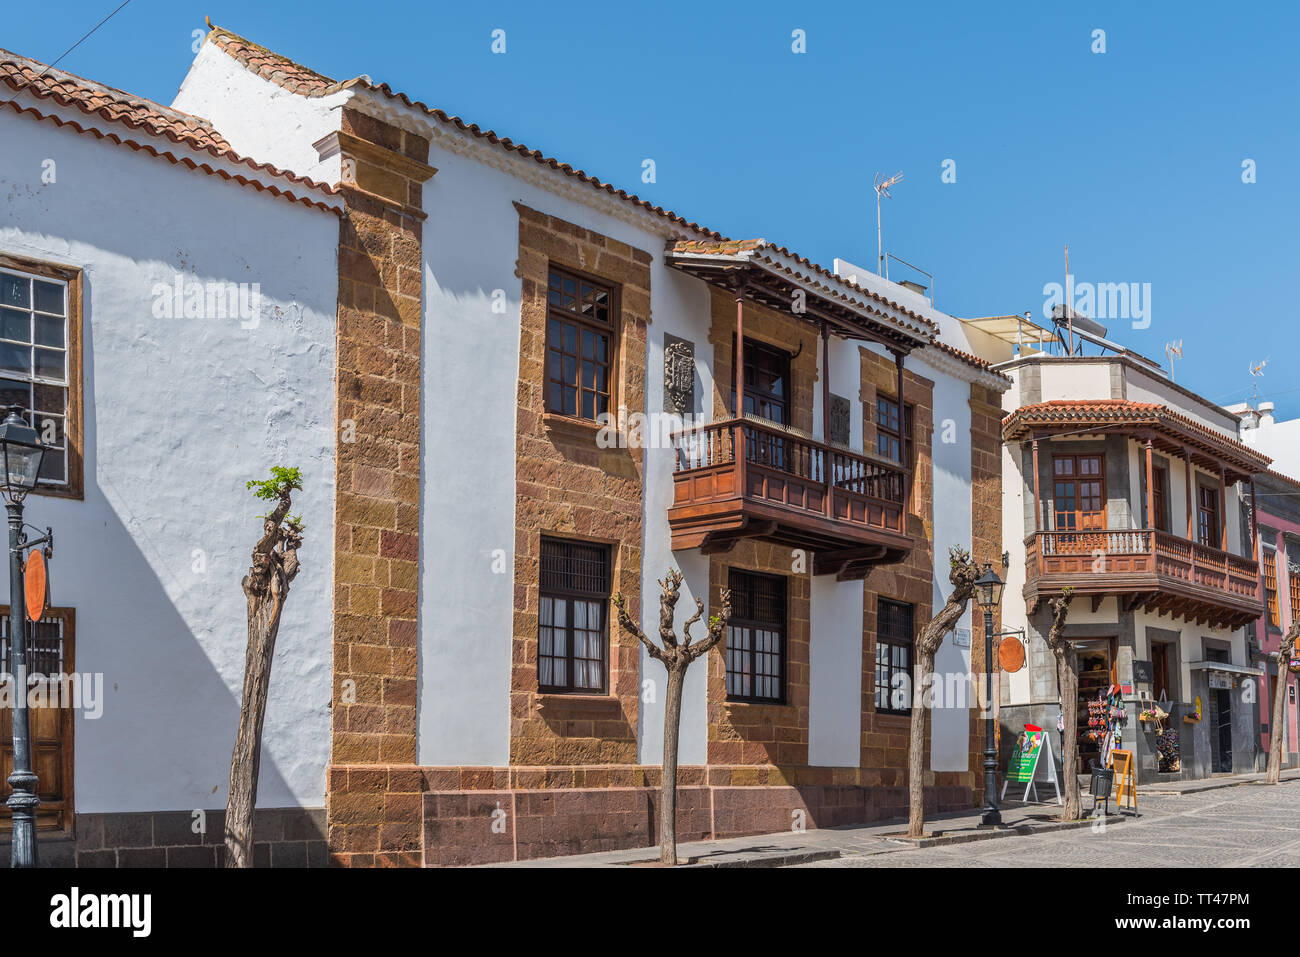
column 773, row 274
column 1170, row 431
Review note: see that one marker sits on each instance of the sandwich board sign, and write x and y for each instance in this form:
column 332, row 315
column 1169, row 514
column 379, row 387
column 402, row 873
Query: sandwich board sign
column 1022, row 768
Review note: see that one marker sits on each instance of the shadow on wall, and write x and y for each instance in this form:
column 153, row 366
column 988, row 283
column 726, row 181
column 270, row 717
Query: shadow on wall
column 170, row 692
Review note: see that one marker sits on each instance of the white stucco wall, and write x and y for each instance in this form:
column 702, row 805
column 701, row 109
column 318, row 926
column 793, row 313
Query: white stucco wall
column 259, row 119
column 179, row 414
column 471, row 243
column 835, row 647
column 951, row 453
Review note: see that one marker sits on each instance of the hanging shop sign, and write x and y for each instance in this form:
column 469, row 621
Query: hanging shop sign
column 36, row 585
column 1219, row 679
column 1011, row 654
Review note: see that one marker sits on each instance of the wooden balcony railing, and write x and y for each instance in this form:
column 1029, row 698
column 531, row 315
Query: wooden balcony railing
column 1145, row 564
column 790, row 478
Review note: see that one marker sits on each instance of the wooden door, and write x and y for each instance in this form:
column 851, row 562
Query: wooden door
column 51, row 722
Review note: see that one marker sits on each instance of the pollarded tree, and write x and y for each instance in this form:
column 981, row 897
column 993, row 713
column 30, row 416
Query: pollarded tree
column 962, row 573
column 1067, row 683
column 1284, row 654
column 266, row 586
column 676, row 656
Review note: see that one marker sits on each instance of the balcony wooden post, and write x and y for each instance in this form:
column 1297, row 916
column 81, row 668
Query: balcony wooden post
column 1223, row 508
column 828, row 467
column 1151, row 490
column 1037, row 499
column 1254, row 530
column 738, row 439
column 902, row 441
column 1191, row 506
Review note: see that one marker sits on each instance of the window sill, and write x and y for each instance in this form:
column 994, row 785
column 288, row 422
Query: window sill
column 732, row 703
column 574, row 704
column 556, row 422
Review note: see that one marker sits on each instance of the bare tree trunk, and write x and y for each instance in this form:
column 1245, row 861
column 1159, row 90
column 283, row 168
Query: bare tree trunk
column 1067, row 679
column 676, row 656
column 916, row 749
column 1067, row 683
column 266, row 586
column 668, row 801
column 263, row 626
column 1278, row 724
column 962, row 573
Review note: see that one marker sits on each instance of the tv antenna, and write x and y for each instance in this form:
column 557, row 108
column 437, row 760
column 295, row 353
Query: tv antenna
column 1173, row 350
column 882, row 189
column 1256, row 372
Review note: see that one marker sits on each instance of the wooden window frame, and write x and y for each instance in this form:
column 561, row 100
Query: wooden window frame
column 1160, row 479
column 1293, row 587
column 74, row 432
column 754, row 623
column 576, row 319
column 1168, row 649
column 601, row 598
column 1075, row 479
column 1204, row 489
column 65, row 821
column 758, row 347
column 884, row 691
column 1272, row 608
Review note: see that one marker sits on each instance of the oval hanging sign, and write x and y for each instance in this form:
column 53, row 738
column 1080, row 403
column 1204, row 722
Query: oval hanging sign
column 35, row 585
column 1011, row 654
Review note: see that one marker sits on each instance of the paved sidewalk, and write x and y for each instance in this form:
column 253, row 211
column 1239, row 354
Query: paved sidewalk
column 886, row 837
column 784, row 849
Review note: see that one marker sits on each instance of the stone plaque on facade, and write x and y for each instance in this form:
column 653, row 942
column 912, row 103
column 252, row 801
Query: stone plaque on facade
column 838, row 420
column 679, row 375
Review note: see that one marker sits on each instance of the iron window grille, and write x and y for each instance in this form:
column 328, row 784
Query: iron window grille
column 44, row 648
column 894, row 641
column 573, row 617
column 756, row 637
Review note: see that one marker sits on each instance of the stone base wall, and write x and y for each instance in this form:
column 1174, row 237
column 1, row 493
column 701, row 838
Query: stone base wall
column 459, row 825
column 283, row 837
column 483, row 815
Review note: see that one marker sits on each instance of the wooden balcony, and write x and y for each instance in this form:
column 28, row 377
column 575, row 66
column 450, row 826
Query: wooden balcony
column 1153, row 570
column 749, row 478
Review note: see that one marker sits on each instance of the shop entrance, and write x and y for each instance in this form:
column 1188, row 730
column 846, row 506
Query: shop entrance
column 1221, row 730
column 1096, row 677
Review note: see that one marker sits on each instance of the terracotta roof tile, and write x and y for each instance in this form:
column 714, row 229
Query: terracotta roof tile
column 969, row 359
column 1125, row 412
column 761, row 249
column 24, row 75
column 298, row 79
column 20, row 73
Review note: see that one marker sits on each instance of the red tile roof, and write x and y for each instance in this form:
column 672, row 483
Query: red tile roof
column 296, row 78
column 24, row 75
column 1102, row 412
column 969, row 359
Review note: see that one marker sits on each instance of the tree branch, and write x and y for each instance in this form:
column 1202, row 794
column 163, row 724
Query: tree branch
column 717, row 629
column 628, row 625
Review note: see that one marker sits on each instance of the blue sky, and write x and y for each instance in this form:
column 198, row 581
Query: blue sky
column 1132, row 156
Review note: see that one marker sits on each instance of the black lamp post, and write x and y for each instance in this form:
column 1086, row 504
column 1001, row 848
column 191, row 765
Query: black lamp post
column 988, row 594
column 20, row 467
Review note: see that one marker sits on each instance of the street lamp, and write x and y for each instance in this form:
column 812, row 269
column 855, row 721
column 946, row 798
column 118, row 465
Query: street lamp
column 988, row 594
column 20, row 467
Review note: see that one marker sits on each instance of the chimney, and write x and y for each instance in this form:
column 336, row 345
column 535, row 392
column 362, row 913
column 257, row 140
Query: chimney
column 1265, row 414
